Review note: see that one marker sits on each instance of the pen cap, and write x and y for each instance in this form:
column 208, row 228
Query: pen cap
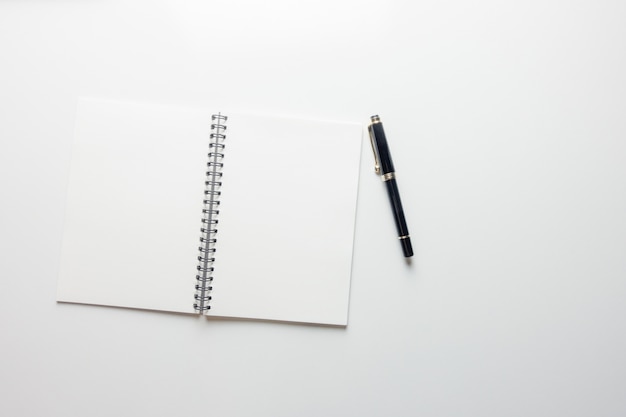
column 382, row 148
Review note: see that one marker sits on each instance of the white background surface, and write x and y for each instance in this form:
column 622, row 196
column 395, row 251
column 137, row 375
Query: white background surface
column 506, row 121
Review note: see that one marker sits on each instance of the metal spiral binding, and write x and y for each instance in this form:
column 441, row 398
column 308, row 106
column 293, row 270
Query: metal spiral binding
column 210, row 212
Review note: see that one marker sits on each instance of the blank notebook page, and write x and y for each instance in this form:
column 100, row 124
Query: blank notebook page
column 286, row 221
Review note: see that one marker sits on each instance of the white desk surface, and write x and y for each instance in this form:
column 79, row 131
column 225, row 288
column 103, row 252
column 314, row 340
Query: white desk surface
column 508, row 131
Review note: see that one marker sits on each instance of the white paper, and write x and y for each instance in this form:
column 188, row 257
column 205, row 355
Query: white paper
column 287, row 215
column 286, row 219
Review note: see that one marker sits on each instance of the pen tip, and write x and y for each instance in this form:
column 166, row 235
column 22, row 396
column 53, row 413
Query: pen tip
column 375, row 118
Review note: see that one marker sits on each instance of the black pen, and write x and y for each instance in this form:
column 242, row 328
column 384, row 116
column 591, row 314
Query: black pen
column 384, row 167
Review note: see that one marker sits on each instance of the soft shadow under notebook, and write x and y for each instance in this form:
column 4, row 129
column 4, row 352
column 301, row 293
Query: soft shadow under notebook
column 221, row 214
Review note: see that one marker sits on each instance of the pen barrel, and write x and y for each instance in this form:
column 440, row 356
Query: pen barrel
column 398, row 215
column 386, row 164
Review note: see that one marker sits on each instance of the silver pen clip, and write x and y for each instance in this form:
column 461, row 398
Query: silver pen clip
column 375, row 119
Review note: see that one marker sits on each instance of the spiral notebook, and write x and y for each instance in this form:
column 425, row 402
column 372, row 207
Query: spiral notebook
column 215, row 213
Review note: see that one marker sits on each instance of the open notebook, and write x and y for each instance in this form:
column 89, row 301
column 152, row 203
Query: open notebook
column 222, row 214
